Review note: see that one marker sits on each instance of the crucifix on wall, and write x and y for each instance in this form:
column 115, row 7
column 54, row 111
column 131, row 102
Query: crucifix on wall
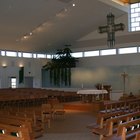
column 110, row 29
column 124, row 75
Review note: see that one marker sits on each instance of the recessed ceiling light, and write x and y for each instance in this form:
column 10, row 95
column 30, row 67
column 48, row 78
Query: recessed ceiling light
column 73, row 4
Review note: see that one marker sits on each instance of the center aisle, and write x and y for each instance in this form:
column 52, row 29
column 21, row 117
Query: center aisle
column 73, row 127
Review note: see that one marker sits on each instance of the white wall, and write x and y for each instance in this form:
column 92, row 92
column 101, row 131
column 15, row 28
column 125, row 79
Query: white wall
column 32, row 68
column 108, row 70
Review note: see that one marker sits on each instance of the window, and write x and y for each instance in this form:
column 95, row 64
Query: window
column 77, row 54
column 27, row 55
column 108, row 52
column 91, row 53
column 49, row 56
column 13, row 82
column 41, row 56
column 135, row 17
column 12, row 54
column 2, row 53
column 55, row 56
column 127, row 50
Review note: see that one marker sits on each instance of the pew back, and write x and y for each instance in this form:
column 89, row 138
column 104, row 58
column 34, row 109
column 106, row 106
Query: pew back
column 129, row 129
column 113, row 123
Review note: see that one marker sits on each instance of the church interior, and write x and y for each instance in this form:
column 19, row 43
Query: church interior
column 70, row 70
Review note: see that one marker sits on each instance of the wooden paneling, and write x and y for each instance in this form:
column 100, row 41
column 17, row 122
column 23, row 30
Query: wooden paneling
column 129, row 1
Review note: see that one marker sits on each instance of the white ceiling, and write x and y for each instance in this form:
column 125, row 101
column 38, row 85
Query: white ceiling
column 53, row 23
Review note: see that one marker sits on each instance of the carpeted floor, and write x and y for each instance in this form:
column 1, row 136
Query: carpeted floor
column 73, row 127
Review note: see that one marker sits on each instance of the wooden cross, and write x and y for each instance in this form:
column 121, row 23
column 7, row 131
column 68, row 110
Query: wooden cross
column 110, row 29
column 124, row 75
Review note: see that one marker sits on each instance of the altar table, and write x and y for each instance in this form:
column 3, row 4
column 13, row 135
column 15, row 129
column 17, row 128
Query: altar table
column 90, row 95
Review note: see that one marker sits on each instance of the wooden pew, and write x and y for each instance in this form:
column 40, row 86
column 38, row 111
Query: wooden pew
column 128, row 130
column 114, row 106
column 9, row 137
column 8, row 132
column 113, row 123
column 133, row 106
column 22, row 97
column 102, row 118
column 58, row 111
column 137, row 136
column 127, row 105
column 44, row 114
column 18, row 123
column 35, row 128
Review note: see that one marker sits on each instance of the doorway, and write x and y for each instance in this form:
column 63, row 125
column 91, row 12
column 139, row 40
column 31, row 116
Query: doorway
column 28, row 82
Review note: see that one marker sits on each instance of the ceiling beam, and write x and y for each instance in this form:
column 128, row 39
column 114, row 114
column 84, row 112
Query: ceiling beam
column 117, row 4
column 129, row 1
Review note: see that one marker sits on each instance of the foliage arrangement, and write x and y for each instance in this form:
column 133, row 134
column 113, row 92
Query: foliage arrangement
column 60, row 67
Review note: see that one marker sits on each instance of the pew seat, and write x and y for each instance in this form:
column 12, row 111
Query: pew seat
column 126, row 131
column 112, row 124
column 102, row 118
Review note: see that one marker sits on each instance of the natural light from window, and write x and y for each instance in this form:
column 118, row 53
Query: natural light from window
column 41, row 56
column 49, row 56
column 13, row 82
column 77, row 54
column 27, row 55
column 2, row 53
column 11, row 54
column 108, row 52
column 135, row 17
column 91, row 53
column 127, row 50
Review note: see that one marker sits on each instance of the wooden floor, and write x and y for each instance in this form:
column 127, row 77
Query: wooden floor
column 73, row 127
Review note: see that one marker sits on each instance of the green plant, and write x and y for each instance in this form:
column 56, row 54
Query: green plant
column 60, row 67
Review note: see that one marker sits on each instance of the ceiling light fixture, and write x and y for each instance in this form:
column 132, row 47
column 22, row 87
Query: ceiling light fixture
column 73, row 4
column 47, row 24
column 4, row 65
column 25, row 37
column 31, row 33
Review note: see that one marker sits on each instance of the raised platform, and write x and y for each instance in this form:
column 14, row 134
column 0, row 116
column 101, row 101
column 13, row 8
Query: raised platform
column 89, row 107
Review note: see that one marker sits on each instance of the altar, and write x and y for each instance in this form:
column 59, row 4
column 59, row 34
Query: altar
column 91, row 95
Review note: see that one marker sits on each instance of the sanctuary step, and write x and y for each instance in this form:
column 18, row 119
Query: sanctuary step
column 90, row 107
